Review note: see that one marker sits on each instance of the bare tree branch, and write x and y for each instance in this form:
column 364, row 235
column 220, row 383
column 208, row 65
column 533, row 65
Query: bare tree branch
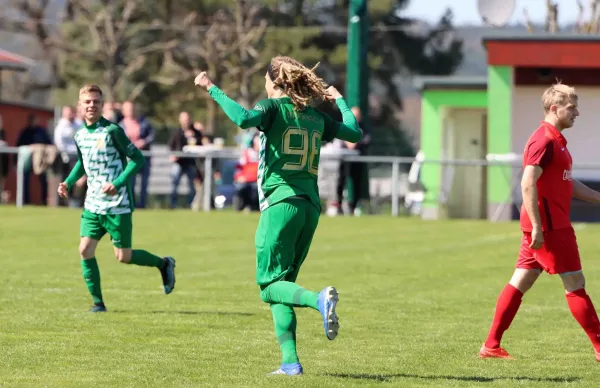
column 155, row 47
column 579, row 23
column 137, row 90
column 109, row 33
column 33, row 13
column 11, row 25
column 258, row 66
column 552, row 17
column 165, row 80
column 528, row 23
column 73, row 51
column 123, row 23
column 137, row 64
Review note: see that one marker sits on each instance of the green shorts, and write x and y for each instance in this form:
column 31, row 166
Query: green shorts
column 118, row 226
column 283, row 237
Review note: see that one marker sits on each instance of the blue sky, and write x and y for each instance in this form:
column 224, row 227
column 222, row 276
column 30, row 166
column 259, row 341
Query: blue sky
column 465, row 11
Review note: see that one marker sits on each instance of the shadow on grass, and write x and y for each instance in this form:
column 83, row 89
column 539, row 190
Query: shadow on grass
column 205, row 313
column 479, row 379
column 187, row 312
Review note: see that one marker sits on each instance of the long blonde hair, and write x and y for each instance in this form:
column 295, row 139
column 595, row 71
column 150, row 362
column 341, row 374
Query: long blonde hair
column 299, row 82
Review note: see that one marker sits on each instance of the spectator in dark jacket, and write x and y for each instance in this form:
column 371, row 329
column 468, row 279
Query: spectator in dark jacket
column 34, row 133
column 181, row 136
column 356, row 172
column 4, row 161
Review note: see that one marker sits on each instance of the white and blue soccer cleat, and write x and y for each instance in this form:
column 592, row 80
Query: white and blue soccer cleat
column 289, row 370
column 327, row 302
column 98, row 308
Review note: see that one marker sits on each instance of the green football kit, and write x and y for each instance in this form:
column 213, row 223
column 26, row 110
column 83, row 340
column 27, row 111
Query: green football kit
column 290, row 144
column 103, row 151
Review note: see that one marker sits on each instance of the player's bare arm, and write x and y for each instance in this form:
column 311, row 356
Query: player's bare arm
column 62, row 190
column 531, row 174
column 581, row 191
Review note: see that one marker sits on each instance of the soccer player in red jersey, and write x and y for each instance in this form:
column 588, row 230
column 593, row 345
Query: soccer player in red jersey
column 548, row 241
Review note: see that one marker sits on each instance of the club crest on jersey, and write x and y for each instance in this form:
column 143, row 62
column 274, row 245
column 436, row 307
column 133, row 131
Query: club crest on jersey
column 100, row 144
column 567, row 175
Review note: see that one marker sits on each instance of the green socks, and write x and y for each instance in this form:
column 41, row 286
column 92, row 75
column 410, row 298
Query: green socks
column 289, row 294
column 283, row 297
column 91, row 275
column 146, row 259
column 284, row 318
column 91, row 272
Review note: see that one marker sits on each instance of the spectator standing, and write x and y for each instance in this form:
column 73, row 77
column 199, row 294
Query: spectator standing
column 64, row 141
column 34, row 134
column 4, row 162
column 246, row 176
column 356, row 172
column 111, row 112
column 207, row 137
column 141, row 134
column 185, row 134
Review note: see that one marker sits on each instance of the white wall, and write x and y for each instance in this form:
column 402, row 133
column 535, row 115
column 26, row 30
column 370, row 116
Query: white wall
column 583, row 138
column 464, row 139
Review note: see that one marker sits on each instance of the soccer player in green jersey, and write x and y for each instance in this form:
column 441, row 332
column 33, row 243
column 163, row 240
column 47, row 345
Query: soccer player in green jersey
column 291, row 132
column 103, row 150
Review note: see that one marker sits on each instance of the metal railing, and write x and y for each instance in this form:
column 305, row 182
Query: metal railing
column 211, row 154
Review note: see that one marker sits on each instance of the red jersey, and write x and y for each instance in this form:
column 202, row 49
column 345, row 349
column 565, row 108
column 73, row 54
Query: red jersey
column 547, row 148
column 247, row 168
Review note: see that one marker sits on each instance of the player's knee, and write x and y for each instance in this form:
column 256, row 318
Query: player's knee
column 86, row 251
column 573, row 281
column 524, row 279
column 123, row 255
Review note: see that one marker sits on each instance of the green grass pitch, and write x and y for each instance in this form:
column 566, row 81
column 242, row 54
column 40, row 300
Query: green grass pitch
column 416, row 301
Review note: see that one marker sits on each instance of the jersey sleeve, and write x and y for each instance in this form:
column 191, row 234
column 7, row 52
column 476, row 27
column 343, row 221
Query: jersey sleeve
column 347, row 130
column 243, row 118
column 128, row 149
column 268, row 109
column 540, row 152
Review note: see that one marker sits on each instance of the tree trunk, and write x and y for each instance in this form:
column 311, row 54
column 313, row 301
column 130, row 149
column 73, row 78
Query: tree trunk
column 110, row 79
column 211, row 105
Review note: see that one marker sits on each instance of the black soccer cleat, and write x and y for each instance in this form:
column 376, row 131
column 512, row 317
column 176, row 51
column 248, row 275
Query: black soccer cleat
column 168, row 275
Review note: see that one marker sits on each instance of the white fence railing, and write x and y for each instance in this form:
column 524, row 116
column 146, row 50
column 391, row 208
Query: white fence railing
column 211, row 154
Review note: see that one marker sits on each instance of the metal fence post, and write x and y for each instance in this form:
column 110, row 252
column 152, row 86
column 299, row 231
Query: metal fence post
column 20, row 179
column 208, row 179
column 395, row 179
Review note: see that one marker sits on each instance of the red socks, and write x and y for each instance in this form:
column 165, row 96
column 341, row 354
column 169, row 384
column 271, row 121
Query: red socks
column 583, row 311
column 579, row 302
column 507, row 306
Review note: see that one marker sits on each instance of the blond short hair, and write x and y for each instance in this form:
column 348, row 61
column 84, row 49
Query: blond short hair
column 90, row 88
column 558, row 94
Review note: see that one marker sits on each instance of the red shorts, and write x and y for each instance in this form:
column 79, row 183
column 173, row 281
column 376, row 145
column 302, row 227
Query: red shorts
column 559, row 253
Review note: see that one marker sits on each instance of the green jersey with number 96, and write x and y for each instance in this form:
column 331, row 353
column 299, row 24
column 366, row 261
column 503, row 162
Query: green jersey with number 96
column 290, row 144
